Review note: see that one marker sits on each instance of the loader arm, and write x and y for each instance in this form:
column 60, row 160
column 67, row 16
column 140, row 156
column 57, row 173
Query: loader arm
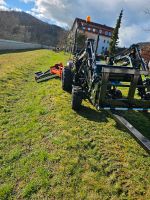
column 102, row 84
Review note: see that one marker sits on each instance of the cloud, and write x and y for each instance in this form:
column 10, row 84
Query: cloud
column 2, row 2
column 3, row 5
column 63, row 12
column 67, row 10
column 16, row 9
column 27, row 1
column 133, row 34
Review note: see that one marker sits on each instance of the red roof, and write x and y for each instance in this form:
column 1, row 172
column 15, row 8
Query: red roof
column 92, row 24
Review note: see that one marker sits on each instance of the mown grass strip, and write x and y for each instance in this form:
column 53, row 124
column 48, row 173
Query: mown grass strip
column 49, row 151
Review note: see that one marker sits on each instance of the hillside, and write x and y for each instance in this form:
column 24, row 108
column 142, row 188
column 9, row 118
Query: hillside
column 21, row 26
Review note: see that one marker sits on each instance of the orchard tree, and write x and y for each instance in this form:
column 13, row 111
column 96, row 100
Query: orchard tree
column 115, row 36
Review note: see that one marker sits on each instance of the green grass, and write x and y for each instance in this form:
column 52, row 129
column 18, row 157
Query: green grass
column 48, row 151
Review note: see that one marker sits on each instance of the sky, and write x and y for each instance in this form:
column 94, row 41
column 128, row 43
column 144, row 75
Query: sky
column 135, row 22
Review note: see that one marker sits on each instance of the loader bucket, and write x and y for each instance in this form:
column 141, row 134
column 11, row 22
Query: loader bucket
column 133, row 93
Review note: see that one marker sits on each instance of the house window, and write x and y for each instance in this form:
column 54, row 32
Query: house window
column 106, row 32
column 89, row 29
column 94, row 29
column 110, row 34
column 100, row 31
column 108, row 42
column 102, row 50
column 104, row 41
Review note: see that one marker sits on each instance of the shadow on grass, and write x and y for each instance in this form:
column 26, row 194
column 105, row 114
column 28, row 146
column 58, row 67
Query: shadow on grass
column 140, row 120
column 146, row 114
column 56, row 78
column 93, row 115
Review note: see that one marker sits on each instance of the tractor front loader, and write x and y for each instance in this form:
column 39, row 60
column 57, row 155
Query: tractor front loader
column 121, row 84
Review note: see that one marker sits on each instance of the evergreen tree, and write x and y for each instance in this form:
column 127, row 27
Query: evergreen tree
column 115, row 36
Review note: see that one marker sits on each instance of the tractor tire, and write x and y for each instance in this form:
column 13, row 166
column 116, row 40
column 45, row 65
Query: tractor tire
column 118, row 94
column 67, row 79
column 77, row 96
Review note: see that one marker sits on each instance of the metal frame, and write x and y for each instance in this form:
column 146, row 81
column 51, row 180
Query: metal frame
column 97, row 86
column 142, row 140
column 129, row 102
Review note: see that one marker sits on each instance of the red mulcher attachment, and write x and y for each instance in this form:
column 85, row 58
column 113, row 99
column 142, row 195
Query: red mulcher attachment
column 54, row 71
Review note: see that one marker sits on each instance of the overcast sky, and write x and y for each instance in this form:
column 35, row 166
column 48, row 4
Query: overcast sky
column 62, row 12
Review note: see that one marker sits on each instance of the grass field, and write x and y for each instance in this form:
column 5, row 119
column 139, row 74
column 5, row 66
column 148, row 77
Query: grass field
column 50, row 152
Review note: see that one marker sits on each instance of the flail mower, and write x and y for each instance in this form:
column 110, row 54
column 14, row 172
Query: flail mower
column 54, row 71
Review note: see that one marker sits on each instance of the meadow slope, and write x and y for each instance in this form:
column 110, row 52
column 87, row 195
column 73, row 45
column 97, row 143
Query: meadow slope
column 48, row 151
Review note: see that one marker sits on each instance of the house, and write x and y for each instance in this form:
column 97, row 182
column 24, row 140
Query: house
column 92, row 30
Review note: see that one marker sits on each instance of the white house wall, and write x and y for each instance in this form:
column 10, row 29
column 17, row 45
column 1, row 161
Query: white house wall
column 104, row 41
column 103, row 44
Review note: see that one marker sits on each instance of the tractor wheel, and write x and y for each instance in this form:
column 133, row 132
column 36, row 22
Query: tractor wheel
column 77, row 96
column 116, row 94
column 67, row 79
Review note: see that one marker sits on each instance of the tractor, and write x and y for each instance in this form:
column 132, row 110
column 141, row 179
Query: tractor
column 123, row 83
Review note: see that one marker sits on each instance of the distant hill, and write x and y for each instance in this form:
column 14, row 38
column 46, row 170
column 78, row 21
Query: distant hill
column 20, row 26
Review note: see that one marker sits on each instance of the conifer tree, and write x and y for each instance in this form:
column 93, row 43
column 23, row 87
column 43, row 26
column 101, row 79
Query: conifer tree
column 115, row 36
